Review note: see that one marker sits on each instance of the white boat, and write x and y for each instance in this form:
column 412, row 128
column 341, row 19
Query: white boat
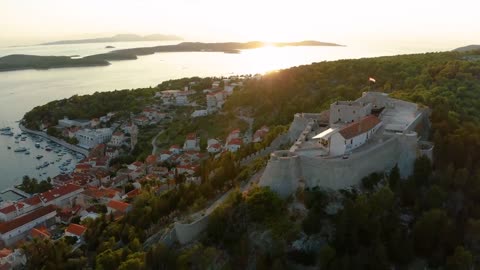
column 7, row 133
column 20, row 149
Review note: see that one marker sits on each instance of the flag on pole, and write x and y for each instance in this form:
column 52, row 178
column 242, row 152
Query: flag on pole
column 372, row 79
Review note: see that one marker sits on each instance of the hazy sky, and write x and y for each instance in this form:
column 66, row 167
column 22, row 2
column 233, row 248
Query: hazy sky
column 342, row 21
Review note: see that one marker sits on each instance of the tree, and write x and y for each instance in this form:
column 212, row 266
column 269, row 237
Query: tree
column 394, row 178
column 432, row 232
column 326, row 257
column 160, row 257
column 422, row 170
column 462, row 259
column 262, row 204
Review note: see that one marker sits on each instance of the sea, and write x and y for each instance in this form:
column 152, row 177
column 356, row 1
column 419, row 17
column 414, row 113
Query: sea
column 20, row 91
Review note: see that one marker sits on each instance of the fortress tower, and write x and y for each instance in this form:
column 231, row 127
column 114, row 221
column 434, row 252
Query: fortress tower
column 390, row 140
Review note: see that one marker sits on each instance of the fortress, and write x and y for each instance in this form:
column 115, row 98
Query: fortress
column 335, row 149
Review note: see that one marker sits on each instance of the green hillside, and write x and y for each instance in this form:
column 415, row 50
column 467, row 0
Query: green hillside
column 432, row 218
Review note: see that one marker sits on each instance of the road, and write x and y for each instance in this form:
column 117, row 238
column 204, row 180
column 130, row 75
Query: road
column 154, row 145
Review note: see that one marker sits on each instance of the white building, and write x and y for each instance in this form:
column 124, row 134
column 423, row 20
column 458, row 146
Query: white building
column 343, row 112
column 235, row 134
column 220, row 97
column 65, row 122
column 229, row 89
column 16, row 229
column 234, row 144
column 211, row 101
column 199, row 113
column 89, row 138
column 214, row 148
column 340, row 141
column 191, row 143
column 175, row 149
column 117, row 139
column 174, row 97
column 215, row 84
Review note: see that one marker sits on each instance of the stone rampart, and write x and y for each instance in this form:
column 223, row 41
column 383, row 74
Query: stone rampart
column 283, row 173
column 187, row 232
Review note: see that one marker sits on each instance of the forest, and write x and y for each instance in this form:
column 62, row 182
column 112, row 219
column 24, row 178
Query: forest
column 431, row 219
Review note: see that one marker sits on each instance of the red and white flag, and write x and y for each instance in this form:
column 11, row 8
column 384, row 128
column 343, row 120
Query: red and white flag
column 372, row 79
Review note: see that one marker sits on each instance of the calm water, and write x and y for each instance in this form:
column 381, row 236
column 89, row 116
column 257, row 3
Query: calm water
column 20, row 91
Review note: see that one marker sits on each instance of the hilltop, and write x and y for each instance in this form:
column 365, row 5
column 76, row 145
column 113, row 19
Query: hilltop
column 117, row 38
column 467, row 48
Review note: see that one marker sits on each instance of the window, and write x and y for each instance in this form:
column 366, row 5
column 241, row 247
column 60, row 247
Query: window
column 353, row 111
column 351, row 141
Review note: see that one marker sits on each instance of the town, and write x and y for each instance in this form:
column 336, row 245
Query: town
column 98, row 185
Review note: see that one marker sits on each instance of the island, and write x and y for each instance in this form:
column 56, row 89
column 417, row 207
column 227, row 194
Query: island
column 117, row 38
column 311, row 167
column 109, row 47
column 20, row 61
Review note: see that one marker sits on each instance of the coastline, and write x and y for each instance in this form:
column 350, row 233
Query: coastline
column 72, row 147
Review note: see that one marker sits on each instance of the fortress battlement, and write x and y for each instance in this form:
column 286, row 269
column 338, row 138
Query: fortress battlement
column 371, row 134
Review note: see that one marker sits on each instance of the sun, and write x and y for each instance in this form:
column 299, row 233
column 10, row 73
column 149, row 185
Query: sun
column 268, row 45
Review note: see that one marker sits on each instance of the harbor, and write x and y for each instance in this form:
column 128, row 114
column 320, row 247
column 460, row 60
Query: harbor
column 26, row 153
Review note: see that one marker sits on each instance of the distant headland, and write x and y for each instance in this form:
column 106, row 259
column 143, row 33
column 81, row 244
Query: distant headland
column 21, row 61
column 117, row 38
column 468, row 48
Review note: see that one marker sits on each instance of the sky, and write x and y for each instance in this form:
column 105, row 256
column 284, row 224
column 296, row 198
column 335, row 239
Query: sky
column 450, row 23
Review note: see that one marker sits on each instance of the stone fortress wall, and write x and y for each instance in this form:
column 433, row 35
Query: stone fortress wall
column 286, row 170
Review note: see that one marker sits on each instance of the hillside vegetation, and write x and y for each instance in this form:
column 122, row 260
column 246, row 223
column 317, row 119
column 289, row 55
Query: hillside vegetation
column 432, row 218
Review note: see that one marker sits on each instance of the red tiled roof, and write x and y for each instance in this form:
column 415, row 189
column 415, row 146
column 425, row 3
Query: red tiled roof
column 215, row 145
column 133, row 193
column 83, row 166
column 32, row 200
column 15, row 223
column 151, row 159
column 99, row 193
column 137, row 163
column 118, row 205
column 191, row 136
column 175, row 146
column 40, row 232
column 359, row 127
column 235, row 141
column 141, row 118
column 76, row 229
column 62, row 178
column 4, row 252
column 57, row 192
column 11, row 208
column 235, row 131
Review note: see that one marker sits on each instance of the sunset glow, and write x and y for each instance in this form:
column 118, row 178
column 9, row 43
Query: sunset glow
column 346, row 22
